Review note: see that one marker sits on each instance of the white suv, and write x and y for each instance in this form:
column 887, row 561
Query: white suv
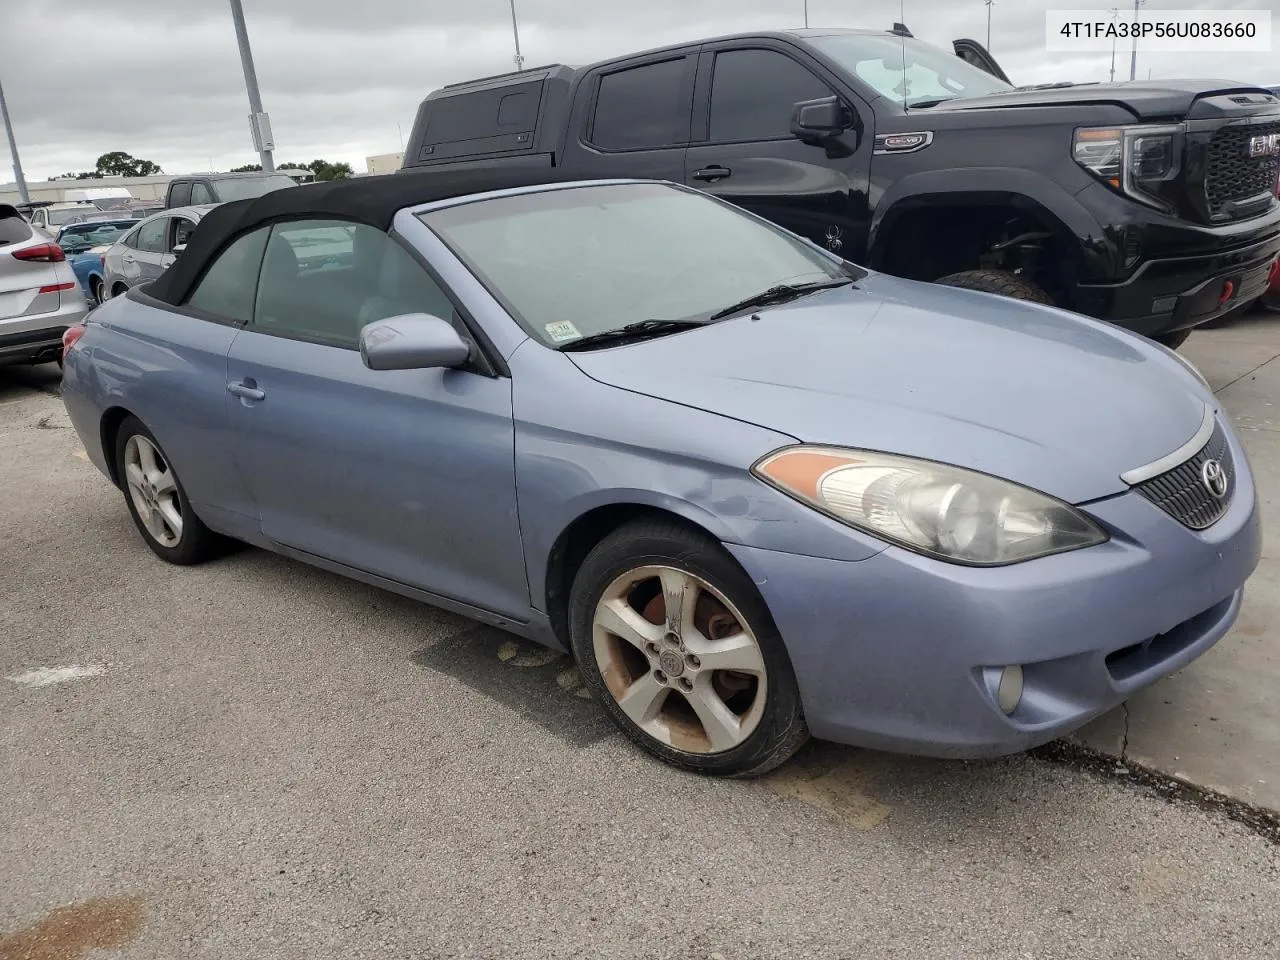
column 39, row 294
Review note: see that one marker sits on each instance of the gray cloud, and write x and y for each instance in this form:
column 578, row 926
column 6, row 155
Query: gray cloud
column 161, row 78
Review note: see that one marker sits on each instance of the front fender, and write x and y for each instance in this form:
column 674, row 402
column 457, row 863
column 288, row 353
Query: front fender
column 1024, row 190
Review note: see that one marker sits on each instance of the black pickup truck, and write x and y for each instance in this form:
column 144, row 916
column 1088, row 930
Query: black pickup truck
column 1151, row 205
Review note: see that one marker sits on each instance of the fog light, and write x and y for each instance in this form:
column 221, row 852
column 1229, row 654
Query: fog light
column 1009, row 692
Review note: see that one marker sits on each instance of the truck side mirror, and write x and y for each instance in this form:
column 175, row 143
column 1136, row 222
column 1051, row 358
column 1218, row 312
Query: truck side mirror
column 817, row 120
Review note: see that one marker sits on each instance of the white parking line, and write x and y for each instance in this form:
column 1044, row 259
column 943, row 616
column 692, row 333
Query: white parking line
column 47, row 676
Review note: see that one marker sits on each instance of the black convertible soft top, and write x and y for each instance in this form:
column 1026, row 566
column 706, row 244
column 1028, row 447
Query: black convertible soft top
column 372, row 200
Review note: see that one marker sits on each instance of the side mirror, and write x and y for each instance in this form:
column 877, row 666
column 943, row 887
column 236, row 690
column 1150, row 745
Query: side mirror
column 818, row 119
column 412, row 341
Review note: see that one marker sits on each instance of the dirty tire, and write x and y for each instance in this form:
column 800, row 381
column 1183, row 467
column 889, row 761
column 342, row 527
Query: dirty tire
column 196, row 542
column 1000, row 282
column 779, row 729
column 1172, row 340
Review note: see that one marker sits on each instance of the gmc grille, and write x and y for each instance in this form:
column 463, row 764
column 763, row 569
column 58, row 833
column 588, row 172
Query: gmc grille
column 1231, row 175
column 1182, row 492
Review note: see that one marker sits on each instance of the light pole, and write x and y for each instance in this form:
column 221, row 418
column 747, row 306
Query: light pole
column 259, row 122
column 13, row 150
column 1115, row 13
column 515, row 30
column 806, row 14
column 1133, row 58
column 990, row 4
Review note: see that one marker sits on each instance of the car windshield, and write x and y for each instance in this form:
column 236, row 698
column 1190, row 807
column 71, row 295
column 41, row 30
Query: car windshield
column 246, row 188
column 574, row 262
column 906, row 70
column 83, row 236
column 70, row 214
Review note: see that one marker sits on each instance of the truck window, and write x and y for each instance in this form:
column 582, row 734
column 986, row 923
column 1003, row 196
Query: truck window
column 642, row 107
column 180, row 195
column 753, row 91
column 905, row 70
column 200, row 193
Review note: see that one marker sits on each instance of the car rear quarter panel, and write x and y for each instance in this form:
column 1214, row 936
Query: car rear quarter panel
column 170, row 371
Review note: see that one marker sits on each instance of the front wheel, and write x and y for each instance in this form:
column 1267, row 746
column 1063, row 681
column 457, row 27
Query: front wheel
column 1172, row 340
column 675, row 641
column 1002, row 282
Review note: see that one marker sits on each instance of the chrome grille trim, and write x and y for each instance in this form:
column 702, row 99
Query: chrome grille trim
column 1184, row 453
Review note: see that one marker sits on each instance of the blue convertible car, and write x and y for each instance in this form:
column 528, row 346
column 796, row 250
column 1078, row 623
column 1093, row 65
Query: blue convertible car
column 756, row 490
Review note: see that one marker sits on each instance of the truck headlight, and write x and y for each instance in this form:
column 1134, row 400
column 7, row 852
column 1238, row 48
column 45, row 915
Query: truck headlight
column 1137, row 161
column 947, row 512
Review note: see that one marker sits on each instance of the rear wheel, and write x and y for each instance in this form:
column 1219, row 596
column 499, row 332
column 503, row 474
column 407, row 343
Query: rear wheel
column 156, row 499
column 1000, row 282
column 96, row 291
column 676, row 642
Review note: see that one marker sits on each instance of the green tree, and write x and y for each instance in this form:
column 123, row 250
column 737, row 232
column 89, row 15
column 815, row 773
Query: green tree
column 247, row 168
column 118, row 163
column 324, row 170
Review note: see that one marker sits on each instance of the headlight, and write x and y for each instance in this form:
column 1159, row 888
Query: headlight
column 1140, row 161
column 947, row 512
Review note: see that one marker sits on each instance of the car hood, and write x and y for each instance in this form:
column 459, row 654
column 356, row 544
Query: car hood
column 1150, row 101
column 1033, row 394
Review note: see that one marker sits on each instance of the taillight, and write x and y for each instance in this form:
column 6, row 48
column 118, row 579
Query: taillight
column 56, row 287
column 44, row 253
column 70, row 337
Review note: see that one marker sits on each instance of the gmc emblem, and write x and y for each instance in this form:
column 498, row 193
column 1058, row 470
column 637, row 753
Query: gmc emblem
column 1265, row 146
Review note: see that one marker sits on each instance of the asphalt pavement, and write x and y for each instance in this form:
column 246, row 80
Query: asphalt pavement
column 254, row 758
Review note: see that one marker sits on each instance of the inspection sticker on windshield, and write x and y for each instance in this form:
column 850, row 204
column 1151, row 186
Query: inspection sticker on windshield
column 562, row 330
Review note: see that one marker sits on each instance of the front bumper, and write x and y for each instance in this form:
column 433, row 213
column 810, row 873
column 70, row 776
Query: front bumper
column 894, row 652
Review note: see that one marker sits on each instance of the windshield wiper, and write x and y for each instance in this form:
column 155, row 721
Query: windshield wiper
column 779, row 294
column 931, row 102
column 640, row 330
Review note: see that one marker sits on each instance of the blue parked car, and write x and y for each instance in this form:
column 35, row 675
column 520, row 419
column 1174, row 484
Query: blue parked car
column 85, row 245
column 756, row 490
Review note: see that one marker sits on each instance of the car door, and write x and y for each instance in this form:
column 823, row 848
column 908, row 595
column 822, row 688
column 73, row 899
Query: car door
column 632, row 119
column 406, row 474
column 147, row 260
column 743, row 149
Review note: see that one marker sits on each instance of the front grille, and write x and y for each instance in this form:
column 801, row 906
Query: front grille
column 1231, row 175
column 1183, row 493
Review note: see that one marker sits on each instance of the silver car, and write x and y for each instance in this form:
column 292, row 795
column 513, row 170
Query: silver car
column 149, row 249
column 39, row 294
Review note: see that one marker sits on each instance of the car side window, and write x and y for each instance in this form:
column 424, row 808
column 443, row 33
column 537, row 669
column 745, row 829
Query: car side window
column 181, row 195
column 325, row 280
column 200, row 193
column 182, row 228
column 753, row 92
column 643, row 107
column 227, row 288
column 130, row 239
column 152, row 235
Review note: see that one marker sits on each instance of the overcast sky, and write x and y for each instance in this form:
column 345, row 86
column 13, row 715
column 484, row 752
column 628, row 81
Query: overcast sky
column 161, row 78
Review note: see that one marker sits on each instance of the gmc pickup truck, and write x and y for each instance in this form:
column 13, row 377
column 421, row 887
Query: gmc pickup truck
column 1150, row 205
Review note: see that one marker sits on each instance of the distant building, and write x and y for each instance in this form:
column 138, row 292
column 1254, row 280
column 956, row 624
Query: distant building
column 140, row 188
column 384, row 162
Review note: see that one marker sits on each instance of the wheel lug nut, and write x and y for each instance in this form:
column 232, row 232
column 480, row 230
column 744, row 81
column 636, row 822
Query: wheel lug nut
column 693, row 661
column 652, row 648
column 686, row 683
column 660, row 676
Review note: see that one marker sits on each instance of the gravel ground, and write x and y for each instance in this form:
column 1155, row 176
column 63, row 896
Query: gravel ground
column 263, row 760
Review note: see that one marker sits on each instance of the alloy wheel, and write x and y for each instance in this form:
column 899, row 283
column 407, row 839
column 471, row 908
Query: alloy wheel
column 153, row 490
column 679, row 659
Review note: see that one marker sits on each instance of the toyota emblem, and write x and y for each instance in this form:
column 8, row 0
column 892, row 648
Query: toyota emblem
column 1215, row 478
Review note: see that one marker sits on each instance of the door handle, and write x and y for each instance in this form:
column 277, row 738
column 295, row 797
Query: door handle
column 127, row 259
column 714, row 172
column 246, row 390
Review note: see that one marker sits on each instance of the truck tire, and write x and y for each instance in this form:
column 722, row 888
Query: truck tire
column 1000, row 282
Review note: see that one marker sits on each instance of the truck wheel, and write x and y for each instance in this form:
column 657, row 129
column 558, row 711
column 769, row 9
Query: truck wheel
column 1000, row 282
column 1172, row 340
